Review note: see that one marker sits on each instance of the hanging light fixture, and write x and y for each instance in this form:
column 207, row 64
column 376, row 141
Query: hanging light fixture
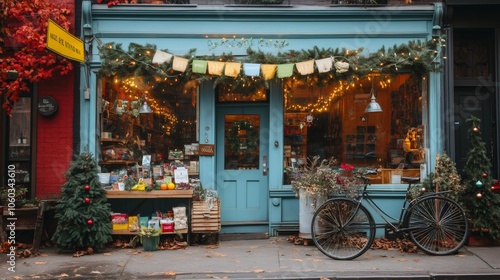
column 373, row 106
column 145, row 109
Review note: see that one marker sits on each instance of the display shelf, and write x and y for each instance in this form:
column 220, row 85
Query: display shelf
column 117, row 161
column 112, row 140
column 295, row 137
column 127, row 232
column 150, row 194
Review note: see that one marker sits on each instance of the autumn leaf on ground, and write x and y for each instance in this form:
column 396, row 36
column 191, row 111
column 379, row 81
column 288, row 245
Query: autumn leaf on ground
column 258, row 271
column 299, row 260
column 40, row 262
column 107, row 254
column 148, row 255
column 317, row 260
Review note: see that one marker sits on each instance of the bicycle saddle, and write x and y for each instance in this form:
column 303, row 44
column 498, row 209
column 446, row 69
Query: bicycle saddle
column 410, row 179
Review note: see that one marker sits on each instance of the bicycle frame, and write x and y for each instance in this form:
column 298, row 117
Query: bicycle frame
column 396, row 224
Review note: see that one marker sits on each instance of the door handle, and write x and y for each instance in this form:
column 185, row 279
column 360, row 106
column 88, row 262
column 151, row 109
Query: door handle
column 264, row 165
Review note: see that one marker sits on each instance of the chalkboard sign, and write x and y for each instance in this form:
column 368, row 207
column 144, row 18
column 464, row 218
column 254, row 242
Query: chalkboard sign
column 47, row 106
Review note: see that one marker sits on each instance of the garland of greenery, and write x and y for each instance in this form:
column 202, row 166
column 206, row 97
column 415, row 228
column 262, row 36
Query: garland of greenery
column 416, row 57
column 242, row 144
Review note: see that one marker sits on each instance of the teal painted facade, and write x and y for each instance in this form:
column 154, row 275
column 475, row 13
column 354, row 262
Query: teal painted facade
column 179, row 29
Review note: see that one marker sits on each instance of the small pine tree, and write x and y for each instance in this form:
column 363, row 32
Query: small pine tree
column 83, row 212
column 481, row 204
column 444, row 178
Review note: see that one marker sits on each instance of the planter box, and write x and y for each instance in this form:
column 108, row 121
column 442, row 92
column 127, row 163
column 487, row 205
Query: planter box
column 204, row 219
column 479, row 240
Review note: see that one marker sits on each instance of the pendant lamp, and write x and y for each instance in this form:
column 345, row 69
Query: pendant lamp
column 373, row 106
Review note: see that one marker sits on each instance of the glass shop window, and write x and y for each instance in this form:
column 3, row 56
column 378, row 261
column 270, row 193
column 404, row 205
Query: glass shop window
column 148, row 127
column 341, row 121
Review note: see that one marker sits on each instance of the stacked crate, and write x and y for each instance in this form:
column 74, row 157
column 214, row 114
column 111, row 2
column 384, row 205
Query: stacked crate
column 205, row 222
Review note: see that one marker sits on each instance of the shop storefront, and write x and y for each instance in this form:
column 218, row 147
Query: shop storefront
column 172, row 86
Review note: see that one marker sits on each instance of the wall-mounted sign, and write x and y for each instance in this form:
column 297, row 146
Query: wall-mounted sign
column 64, row 43
column 47, row 106
column 206, row 150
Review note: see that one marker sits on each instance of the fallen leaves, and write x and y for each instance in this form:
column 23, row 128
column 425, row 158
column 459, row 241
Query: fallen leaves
column 402, row 245
column 89, row 251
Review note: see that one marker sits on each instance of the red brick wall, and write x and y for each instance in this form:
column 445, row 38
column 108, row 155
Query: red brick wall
column 55, row 134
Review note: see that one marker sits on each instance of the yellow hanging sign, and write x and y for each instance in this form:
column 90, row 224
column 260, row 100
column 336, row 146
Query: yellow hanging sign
column 64, row 43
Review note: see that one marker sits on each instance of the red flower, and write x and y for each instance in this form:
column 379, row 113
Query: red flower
column 347, row 167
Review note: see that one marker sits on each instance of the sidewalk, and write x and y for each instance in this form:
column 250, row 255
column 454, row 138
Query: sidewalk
column 273, row 258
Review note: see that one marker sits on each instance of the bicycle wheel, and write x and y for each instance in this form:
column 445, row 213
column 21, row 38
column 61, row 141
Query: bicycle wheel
column 342, row 229
column 438, row 225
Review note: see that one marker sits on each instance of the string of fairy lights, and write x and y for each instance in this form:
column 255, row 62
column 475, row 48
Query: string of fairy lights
column 418, row 57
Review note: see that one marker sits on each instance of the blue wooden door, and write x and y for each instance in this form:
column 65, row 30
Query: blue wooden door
column 242, row 168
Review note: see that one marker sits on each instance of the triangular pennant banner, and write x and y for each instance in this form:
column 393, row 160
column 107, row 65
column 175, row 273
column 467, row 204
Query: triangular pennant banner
column 200, row 66
column 268, row 71
column 324, row 65
column 232, row 69
column 285, row 70
column 251, row 69
column 305, row 67
column 161, row 57
column 180, row 63
column 215, row 67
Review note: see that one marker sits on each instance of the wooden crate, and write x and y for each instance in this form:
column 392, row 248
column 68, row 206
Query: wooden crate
column 204, row 219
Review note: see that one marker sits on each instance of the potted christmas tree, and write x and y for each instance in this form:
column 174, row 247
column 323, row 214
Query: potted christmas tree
column 482, row 206
column 83, row 212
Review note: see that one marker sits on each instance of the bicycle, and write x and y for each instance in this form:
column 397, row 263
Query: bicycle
column 343, row 229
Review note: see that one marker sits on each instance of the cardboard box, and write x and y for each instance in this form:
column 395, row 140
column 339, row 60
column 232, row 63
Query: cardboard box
column 120, row 226
column 167, row 226
column 119, row 221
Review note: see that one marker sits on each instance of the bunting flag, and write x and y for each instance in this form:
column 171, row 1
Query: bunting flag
column 200, row 66
column 305, row 67
column 285, row 70
column 180, row 63
column 341, row 67
column 324, row 65
column 215, row 67
column 268, row 71
column 232, row 69
column 251, row 69
column 162, row 57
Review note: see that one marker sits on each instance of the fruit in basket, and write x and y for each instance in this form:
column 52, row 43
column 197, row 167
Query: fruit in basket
column 171, row 186
column 163, row 187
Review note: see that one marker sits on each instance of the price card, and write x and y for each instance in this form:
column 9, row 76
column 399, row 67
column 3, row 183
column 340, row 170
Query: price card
column 181, row 175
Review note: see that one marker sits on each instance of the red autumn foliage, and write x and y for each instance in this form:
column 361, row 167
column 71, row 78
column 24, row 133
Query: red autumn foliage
column 23, row 32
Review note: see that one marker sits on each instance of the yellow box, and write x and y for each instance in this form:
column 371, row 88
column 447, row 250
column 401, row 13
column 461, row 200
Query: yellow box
column 120, row 226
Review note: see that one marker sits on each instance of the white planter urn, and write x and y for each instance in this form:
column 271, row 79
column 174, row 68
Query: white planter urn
column 307, row 207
